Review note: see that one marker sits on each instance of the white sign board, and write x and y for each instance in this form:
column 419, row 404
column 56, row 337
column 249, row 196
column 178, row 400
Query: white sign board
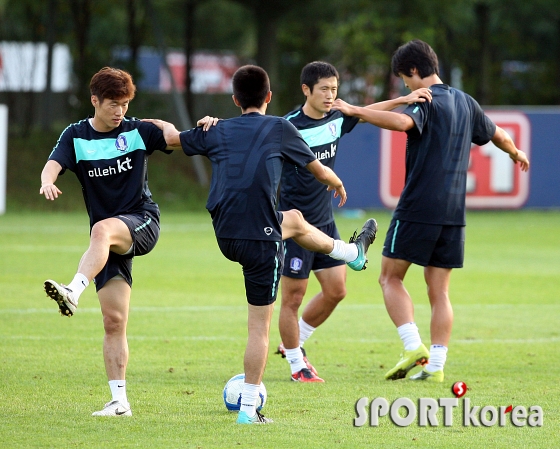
column 23, row 67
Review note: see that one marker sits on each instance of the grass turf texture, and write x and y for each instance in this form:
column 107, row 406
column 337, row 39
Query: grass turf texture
column 187, row 334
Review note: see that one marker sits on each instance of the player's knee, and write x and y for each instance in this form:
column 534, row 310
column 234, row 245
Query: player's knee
column 114, row 323
column 292, row 300
column 100, row 231
column 383, row 280
column 298, row 221
column 339, row 294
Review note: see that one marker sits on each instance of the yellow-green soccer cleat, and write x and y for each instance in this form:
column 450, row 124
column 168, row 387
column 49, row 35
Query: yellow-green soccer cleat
column 427, row 376
column 409, row 359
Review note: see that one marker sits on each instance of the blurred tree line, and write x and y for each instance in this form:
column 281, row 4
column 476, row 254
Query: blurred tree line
column 501, row 52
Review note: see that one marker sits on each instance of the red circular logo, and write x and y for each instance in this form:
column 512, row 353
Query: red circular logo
column 459, row 389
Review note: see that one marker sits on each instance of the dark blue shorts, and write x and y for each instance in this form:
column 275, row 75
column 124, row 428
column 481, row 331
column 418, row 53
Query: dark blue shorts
column 298, row 261
column 426, row 244
column 262, row 262
column 144, row 230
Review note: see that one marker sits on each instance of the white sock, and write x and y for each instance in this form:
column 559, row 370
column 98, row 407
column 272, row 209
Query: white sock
column 347, row 252
column 410, row 336
column 295, row 359
column 249, row 397
column 305, row 331
column 118, row 390
column 438, row 356
column 78, row 285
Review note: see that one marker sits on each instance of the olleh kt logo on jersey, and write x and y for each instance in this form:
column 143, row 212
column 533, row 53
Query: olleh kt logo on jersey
column 121, row 166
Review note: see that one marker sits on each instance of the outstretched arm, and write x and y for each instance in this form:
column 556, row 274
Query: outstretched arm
column 49, row 175
column 326, row 176
column 170, row 133
column 383, row 119
column 505, row 143
column 418, row 96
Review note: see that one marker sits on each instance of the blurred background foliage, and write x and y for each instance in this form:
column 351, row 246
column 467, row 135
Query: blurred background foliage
column 503, row 52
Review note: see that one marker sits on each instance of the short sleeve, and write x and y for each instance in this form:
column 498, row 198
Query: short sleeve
column 154, row 139
column 348, row 124
column 193, row 141
column 418, row 112
column 294, row 148
column 483, row 128
column 63, row 152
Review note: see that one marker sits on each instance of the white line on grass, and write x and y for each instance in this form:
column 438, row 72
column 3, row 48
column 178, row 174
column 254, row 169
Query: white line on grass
column 518, row 341
column 129, row 337
column 71, row 229
column 41, row 248
column 152, row 309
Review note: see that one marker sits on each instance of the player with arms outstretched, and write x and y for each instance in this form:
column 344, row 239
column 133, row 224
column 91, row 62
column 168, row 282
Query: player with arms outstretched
column 247, row 155
column 428, row 225
column 321, row 127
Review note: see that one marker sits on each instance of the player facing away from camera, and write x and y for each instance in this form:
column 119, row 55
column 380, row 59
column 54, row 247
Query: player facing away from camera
column 108, row 153
column 247, row 154
column 428, row 225
column 321, row 128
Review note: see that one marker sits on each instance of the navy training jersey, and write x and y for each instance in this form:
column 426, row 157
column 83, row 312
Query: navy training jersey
column 437, row 156
column 111, row 166
column 247, row 154
column 299, row 189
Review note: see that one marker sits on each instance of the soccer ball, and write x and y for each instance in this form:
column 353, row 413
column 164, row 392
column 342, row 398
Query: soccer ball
column 232, row 393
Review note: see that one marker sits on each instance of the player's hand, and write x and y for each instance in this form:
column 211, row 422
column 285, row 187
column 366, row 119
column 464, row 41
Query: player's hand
column 418, row 96
column 50, row 191
column 520, row 157
column 339, row 192
column 207, row 122
column 159, row 123
column 342, row 106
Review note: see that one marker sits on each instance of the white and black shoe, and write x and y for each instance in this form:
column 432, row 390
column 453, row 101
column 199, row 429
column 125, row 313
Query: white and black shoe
column 63, row 297
column 114, row 408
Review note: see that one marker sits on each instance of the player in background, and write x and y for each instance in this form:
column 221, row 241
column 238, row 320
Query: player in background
column 428, row 225
column 108, row 153
column 321, row 128
column 247, row 154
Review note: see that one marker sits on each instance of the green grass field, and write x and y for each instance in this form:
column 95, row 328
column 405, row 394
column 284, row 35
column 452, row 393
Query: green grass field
column 187, row 333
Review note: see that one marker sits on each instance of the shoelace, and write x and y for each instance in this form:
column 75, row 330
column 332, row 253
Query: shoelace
column 261, row 417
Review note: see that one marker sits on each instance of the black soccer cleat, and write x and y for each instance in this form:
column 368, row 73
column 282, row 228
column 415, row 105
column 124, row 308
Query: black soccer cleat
column 365, row 238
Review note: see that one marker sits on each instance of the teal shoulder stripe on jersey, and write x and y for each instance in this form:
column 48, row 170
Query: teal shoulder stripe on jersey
column 323, row 134
column 292, row 116
column 94, row 150
column 62, row 133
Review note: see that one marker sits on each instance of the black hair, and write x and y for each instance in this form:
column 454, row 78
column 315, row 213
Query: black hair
column 314, row 71
column 250, row 86
column 415, row 54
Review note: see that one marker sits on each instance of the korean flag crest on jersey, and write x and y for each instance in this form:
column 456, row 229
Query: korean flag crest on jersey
column 121, row 143
column 332, row 128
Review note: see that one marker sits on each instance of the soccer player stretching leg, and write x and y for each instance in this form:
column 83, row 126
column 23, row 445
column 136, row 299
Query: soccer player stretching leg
column 108, row 153
column 428, row 225
column 247, row 154
column 321, row 128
